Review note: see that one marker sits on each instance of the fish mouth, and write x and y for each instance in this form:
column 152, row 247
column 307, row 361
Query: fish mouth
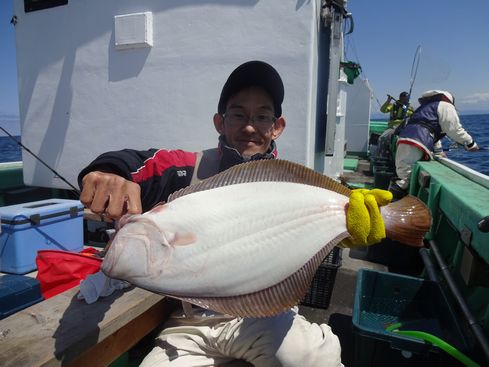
column 112, row 255
column 110, row 258
column 120, row 261
column 108, row 262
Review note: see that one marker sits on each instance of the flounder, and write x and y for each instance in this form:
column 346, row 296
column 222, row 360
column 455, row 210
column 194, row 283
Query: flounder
column 248, row 241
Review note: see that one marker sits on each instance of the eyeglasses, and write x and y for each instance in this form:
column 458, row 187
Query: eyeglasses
column 261, row 122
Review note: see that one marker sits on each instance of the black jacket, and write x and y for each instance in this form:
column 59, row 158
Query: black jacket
column 161, row 172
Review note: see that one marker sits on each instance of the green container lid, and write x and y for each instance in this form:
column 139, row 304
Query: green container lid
column 377, row 126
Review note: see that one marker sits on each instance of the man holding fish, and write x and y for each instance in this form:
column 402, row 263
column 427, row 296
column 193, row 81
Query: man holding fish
column 207, row 255
column 248, row 121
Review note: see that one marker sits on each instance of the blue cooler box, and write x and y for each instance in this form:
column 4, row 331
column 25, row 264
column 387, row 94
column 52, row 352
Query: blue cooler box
column 53, row 224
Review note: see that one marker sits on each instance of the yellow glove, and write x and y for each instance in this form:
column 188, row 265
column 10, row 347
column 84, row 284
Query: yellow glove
column 363, row 219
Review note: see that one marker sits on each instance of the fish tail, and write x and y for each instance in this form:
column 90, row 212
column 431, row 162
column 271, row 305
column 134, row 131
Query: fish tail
column 407, row 220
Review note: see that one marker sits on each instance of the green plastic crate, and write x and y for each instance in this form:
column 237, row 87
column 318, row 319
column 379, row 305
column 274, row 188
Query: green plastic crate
column 382, row 299
column 350, row 164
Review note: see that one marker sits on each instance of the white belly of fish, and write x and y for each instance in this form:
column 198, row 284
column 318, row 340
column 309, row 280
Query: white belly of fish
column 248, row 237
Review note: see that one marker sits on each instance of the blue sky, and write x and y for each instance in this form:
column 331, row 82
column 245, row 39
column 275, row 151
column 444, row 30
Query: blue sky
column 453, row 36
column 454, row 56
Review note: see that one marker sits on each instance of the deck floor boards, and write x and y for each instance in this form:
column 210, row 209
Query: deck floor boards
column 62, row 329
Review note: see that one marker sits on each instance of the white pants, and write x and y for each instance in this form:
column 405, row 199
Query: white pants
column 287, row 339
column 406, row 156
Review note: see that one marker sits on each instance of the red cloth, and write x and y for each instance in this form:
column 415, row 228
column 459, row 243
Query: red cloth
column 61, row 270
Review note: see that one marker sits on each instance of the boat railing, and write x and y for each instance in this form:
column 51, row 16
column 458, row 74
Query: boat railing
column 465, row 171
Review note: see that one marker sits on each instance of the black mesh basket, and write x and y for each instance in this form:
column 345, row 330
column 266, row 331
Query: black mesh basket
column 321, row 288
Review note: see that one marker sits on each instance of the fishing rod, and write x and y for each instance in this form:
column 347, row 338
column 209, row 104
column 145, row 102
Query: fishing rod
column 40, row 160
column 395, row 100
column 449, row 149
column 414, row 67
column 414, row 72
column 456, row 146
column 378, row 102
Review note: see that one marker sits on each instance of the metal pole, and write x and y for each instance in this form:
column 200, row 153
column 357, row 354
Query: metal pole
column 428, row 264
column 475, row 327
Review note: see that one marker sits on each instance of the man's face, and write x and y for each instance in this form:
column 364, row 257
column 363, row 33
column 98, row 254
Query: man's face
column 248, row 137
column 403, row 99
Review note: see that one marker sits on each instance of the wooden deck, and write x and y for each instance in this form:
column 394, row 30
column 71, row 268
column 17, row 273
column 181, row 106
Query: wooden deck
column 64, row 331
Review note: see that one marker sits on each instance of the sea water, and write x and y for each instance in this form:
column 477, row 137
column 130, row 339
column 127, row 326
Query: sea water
column 9, row 150
column 476, row 125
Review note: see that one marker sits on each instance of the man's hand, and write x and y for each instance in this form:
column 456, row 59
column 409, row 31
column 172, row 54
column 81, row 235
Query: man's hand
column 110, row 195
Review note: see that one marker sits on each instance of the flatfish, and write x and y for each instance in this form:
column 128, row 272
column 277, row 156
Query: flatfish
column 247, row 241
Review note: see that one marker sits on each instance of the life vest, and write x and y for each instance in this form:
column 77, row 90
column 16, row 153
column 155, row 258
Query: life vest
column 423, row 129
column 397, row 111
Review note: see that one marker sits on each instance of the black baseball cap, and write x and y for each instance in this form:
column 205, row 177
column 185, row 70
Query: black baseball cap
column 253, row 73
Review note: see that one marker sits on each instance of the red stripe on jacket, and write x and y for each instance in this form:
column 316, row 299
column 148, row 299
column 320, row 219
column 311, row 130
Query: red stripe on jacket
column 161, row 161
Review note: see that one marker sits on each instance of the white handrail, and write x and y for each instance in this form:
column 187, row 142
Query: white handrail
column 465, row 171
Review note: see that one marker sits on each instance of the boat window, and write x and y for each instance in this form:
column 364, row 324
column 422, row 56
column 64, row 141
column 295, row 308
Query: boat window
column 33, row 5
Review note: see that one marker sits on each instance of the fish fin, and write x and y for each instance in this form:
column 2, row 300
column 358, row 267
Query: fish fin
column 273, row 300
column 265, row 170
column 407, row 220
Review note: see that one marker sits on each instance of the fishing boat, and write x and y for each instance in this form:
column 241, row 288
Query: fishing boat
column 99, row 76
